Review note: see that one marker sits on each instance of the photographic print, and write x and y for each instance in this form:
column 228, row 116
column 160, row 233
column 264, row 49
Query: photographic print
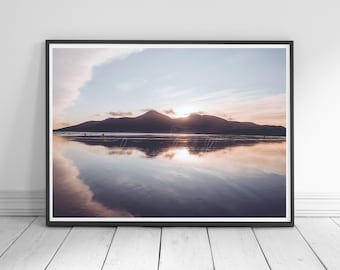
column 169, row 133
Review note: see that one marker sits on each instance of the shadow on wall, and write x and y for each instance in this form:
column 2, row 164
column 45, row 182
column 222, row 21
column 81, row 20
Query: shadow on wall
column 25, row 150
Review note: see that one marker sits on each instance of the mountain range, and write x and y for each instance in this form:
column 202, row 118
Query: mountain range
column 155, row 122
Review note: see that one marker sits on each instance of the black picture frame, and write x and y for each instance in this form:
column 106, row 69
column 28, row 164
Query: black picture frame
column 288, row 223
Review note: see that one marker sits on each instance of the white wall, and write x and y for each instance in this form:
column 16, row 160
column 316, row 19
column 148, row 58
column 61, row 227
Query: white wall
column 313, row 25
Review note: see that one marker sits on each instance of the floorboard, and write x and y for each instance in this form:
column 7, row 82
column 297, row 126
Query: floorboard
column 236, row 248
column 10, row 229
column 336, row 220
column 323, row 235
column 26, row 243
column 84, row 248
column 285, row 249
column 185, row 248
column 35, row 247
column 134, row 248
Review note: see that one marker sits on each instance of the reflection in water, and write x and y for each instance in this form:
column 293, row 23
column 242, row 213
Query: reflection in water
column 169, row 176
column 154, row 145
column 71, row 197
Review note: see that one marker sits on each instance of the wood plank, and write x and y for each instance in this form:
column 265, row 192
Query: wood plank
column 35, row 247
column 10, row 230
column 236, row 248
column 185, row 248
column 134, row 248
column 84, row 248
column 285, row 249
column 323, row 235
column 336, row 220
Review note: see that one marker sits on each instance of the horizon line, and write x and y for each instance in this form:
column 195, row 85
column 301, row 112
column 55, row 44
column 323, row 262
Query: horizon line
column 167, row 115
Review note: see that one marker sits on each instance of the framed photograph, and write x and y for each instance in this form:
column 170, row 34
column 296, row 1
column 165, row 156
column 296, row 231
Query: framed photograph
column 169, row 133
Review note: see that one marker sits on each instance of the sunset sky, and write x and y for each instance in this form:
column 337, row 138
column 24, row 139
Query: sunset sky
column 232, row 83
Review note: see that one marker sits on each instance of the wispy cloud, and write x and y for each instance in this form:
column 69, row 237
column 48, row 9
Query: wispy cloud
column 224, row 115
column 270, row 110
column 215, row 95
column 200, row 112
column 146, row 109
column 115, row 114
column 169, row 111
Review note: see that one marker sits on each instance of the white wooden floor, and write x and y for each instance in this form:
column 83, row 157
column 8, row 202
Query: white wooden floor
column 25, row 243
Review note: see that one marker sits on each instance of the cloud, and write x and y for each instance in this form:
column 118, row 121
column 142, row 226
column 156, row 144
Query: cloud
column 224, row 115
column 170, row 111
column 269, row 156
column 200, row 112
column 114, row 114
column 146, row 110
column 268, row 110
column 128, row 86
column 64, row 124
column 72, row 197
column 216, row 95
column 73, row 67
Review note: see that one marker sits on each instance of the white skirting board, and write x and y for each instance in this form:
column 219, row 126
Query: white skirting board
column 317, row 204
column 32, row 203
column 22, row 203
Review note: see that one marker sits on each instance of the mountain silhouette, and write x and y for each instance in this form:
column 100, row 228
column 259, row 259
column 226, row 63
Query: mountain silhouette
column 155, row 122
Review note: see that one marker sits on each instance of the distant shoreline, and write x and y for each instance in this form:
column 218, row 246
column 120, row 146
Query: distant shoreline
column 109, row 133
column 161, row 134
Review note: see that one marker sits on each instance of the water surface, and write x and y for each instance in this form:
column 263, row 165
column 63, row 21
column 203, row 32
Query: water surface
column 168, row 175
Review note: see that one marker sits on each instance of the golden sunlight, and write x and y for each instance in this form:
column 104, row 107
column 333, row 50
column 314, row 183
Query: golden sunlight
column 184, row 111
column 183, row 154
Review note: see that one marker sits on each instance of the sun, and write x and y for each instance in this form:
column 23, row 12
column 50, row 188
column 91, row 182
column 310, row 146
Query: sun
column 183, row 154
column 184, row 111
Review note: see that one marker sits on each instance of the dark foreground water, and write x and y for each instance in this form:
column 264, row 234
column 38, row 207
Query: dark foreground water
column 165, row 175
